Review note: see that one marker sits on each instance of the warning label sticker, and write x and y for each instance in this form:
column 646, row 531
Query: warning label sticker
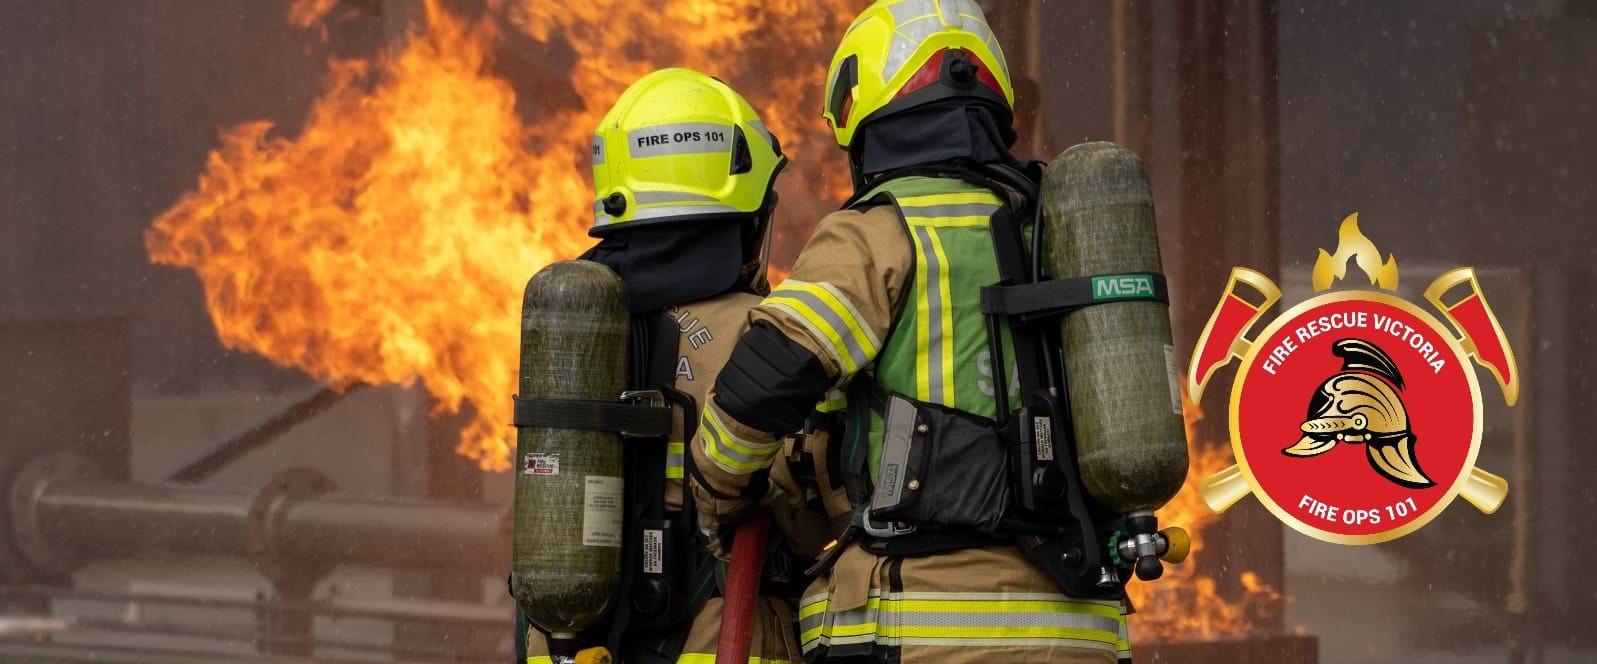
column 653, row 551
column 601, row 511
column 538, row 463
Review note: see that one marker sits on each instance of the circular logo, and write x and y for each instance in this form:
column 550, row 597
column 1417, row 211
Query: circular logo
column 1356, row 417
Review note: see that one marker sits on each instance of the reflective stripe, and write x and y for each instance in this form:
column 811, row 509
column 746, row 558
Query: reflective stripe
column 832, row 319
column 974, row 208
column 730, row 453
column 950, row 198
column 1123, row 644
column 911, row 10
column 680, row 138
column 539, row 659
column 598, row 150
column 950, row 210
column 648, row 197
column 682, row 210
column 709, row 658
column 835, row 401
column 673, row 459
column 915, row 20
column 964, row 620
column 643, row 199
column 934, row 374
column 760, row 127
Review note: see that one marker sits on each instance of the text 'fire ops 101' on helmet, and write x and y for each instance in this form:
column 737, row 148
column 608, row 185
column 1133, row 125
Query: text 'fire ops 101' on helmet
column 681, row 146
column 903, row 53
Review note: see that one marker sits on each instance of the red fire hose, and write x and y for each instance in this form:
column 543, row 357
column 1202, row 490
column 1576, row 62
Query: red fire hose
column 742, row 590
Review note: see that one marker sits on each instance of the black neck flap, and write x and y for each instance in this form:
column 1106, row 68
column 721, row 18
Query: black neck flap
column 962, row 130
column 677, row 263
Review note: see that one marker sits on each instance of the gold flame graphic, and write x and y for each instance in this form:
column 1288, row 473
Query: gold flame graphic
column 1350, row 243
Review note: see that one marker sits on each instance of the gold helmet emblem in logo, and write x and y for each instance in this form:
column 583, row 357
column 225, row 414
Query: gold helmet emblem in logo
column 1360, row 405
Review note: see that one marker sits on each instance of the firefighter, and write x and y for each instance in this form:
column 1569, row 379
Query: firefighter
column 684, row 172
column 883, row 303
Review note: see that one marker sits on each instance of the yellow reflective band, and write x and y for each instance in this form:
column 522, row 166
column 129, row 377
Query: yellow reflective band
column 965, row 620
column 923, row 312
column 831, row 317
column 823, row 333
column 732, row 454
column 996, row 632
column 673, row 459
column 1123, row 645
column 1003, row 606
column 709, row 658
column 539, row 659
column 973, row 208
column 844, row 308
column 980, row 196
column 945, row 341
column 949, row 222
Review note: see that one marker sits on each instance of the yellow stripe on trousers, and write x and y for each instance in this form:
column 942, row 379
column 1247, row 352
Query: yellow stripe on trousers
column 964, row 620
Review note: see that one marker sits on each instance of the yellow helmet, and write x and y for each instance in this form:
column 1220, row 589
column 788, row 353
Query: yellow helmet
column 680, row 146
column 903, row 53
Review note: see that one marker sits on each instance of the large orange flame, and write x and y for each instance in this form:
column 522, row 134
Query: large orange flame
column 389, row 241
column 1188, row 603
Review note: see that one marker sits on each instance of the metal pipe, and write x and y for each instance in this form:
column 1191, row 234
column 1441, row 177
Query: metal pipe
column 117, row 520
column 408, row 609
column 67, row 516
column 259, row 435
column 394, row 533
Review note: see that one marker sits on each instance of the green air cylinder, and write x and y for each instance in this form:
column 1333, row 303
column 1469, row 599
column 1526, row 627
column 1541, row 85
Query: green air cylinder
column 1125, row 397
column 566, row 562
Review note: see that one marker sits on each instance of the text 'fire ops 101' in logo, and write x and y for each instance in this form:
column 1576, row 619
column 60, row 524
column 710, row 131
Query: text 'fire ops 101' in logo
column 1355, row 415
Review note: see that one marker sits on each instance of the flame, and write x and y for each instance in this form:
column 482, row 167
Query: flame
column 389, row 240
column 1188, row 603
column 1350, row 243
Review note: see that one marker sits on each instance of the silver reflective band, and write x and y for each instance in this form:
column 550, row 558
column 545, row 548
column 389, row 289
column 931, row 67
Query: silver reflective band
column 598, row 151
column 682, row 138
column 951, row 210
column 936, row 392
column 683, row 210
column 760, row 127
column 858, row 354
column 648, row 197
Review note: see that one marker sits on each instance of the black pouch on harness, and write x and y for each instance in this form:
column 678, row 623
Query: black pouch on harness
column 941, row 469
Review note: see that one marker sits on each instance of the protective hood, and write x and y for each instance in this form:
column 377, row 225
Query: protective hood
column 952, row 130
column 664, row 266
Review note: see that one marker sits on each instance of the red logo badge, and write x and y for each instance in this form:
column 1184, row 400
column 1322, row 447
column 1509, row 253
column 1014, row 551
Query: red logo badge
column 1356, row 415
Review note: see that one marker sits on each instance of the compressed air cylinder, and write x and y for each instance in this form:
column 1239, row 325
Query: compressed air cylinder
column 1121, row 367
column 568, row 509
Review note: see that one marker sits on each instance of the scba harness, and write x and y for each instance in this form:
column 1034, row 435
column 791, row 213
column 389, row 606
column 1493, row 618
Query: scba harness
column 935, row 454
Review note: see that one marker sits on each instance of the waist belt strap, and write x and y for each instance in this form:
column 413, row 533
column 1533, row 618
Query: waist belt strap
column 629, row 419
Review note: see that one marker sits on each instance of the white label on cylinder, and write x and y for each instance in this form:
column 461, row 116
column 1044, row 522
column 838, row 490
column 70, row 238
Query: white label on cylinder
column 1175, row 379
column 601, row 511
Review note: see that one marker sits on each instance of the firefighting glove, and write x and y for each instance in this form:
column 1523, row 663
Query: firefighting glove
column 719, row 517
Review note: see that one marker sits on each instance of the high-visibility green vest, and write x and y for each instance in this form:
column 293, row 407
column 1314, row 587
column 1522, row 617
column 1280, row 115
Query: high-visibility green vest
column 938, row 351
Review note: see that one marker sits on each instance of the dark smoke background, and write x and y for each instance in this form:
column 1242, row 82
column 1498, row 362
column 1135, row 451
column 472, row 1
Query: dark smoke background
column 1461, row 132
